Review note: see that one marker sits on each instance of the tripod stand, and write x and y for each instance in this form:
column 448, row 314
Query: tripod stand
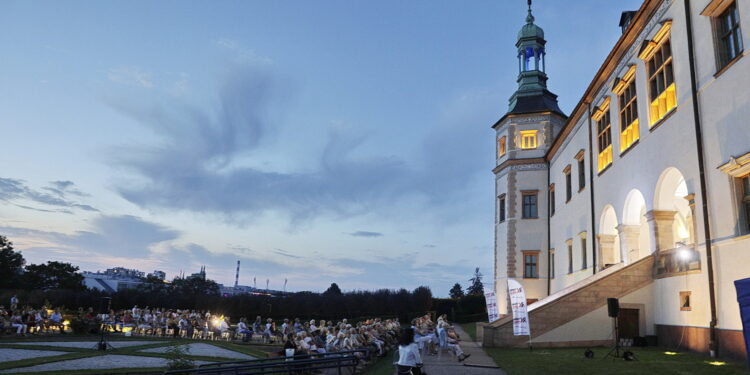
column 615, row 352
column 103, row 343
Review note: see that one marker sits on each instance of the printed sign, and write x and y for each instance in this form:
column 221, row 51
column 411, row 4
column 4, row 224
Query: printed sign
column 491, row 300
column 518, row 305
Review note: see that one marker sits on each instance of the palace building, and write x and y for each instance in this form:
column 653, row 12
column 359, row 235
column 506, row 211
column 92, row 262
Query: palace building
column 641, row 193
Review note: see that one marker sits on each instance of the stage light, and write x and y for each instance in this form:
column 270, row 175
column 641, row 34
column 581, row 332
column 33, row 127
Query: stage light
column 628, row 356
column 671, row 353
column 685, row 254
column 717, row 363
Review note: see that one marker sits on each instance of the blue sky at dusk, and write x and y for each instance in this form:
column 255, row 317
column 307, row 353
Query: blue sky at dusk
column 317, row 141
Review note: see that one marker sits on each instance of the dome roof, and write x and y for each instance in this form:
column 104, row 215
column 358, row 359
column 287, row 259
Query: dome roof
column 530, row 30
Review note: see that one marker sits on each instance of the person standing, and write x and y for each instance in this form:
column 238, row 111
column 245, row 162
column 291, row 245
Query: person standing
column 409, row 360
column 13, row 302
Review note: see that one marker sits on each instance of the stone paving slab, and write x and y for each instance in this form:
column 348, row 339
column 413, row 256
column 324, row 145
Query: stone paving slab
column 7, row 355
column 86, row 344
column 203, row 349
column 104, row 362
column 447, row 364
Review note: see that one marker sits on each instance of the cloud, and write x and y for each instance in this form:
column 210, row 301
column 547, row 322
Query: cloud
column 197, row 166
column 130, row 75
column 365, row 234
column 58, row 194
column 122, row 236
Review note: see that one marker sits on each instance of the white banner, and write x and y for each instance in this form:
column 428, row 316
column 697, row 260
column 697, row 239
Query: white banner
column 518, row 305
column 491, row 300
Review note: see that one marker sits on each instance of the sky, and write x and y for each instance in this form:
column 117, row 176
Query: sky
column 322, row 141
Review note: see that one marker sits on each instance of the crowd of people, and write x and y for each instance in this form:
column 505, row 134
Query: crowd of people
column 26, row 320
column 423, row 337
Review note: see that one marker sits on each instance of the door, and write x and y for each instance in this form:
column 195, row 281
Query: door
column 628, row 323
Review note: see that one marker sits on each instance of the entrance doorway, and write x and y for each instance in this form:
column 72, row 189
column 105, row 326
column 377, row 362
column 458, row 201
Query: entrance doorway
column 628, row 323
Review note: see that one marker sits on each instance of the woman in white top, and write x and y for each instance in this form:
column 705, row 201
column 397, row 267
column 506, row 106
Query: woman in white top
column 409, row 360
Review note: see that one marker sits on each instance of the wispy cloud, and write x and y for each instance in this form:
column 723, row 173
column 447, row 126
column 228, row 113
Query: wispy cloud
column 130, row 75
column 58, row 196
column 362, row 233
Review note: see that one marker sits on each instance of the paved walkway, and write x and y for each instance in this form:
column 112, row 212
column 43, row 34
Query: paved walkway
column 447, row 364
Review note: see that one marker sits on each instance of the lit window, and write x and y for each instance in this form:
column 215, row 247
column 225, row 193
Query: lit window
column 530, row 205
column 661, row 82
column 528, row 139
column 531, row 264
column 552, row 199
column 604, row 131
column 629, row 132
column 501, row 146
column 728, row 35
column 552, row 263
column 501, row 208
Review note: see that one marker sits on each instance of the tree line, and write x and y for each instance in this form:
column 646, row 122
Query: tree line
column 59, row 284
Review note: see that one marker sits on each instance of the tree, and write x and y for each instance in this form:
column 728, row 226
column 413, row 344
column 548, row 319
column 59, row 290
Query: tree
column 456, row 291
column 11, row 264
column 195, row 286
column 333, row 290
column 476, row 288
column 53, row 275
column 153, row 285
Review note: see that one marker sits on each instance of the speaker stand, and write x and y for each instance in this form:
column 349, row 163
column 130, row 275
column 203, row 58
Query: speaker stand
column 615, row 351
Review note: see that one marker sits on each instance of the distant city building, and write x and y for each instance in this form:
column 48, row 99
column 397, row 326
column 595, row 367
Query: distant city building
column 113, row 279
column 201, row 274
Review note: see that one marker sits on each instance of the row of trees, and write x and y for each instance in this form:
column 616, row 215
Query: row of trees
column 476, row 288
column 60, row 284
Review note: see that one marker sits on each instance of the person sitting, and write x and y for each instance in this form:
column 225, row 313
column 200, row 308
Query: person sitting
column 55, row 320
column 409, row 360
column 244, row 330
column 16, row 321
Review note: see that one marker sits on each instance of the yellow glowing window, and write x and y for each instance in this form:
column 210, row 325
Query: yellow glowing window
column 629, row 132
column 604, row 131
column 661, row 82
column 528, row 139
column 501, row 146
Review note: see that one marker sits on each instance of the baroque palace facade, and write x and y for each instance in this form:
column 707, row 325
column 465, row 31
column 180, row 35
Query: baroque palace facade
column 642, row 193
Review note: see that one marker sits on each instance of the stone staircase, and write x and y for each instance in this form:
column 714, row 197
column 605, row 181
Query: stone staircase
column 572, row 302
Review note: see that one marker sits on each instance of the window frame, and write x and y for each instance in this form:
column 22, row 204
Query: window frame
column 627, row 99
column 534, row 254
column 603, row 120
column 723, row 59
column 552, row 263
column 584, row 251
column 581, row 161
column 501, row 209
column 502, row 144
column 552, row 199
column 568, row 184
column 530, row 136
column 530, row 193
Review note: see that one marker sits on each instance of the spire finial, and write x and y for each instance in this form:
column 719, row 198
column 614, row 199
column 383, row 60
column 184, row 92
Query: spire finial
column 530, row 17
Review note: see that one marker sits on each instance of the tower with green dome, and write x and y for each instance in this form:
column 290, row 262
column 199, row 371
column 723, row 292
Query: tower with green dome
column 524, row 134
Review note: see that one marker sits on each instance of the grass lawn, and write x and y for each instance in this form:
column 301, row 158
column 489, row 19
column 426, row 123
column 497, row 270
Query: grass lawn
column 571, row 361
column 76, row 353
column 471, row 329
column 383, row 366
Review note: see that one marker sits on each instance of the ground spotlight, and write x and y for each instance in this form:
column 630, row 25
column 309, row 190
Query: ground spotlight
column 628, row 356
column 588, row 354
